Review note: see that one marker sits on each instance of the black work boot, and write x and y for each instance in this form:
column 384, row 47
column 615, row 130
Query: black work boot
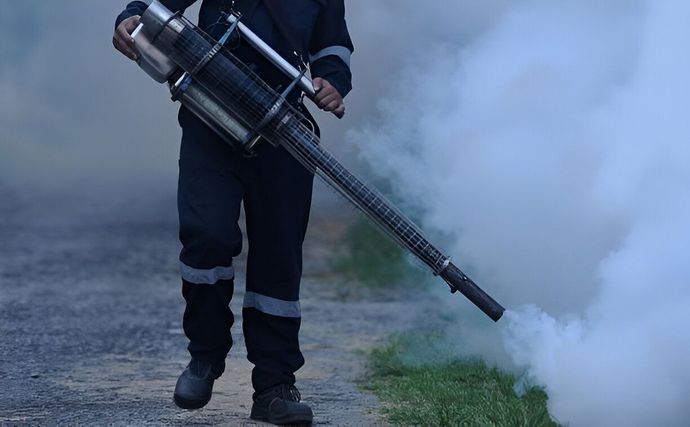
column 281, row 405
column 195, row 385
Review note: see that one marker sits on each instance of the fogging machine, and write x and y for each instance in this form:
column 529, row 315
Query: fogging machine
column 205, row 76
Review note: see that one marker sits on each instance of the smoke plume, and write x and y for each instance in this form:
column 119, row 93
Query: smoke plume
column 549, row 145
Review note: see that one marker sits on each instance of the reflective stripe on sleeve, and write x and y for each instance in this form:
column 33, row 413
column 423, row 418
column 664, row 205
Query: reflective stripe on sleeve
column 272, row 306
column 340, row 51
column 206, row 277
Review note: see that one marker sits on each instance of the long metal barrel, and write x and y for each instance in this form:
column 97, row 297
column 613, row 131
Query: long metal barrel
column 243, row 94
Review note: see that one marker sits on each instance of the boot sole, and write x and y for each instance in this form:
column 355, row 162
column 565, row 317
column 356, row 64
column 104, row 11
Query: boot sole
column 258, row 415
column 189, row 404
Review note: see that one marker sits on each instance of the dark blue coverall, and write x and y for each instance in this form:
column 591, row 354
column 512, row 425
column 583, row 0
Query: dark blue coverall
column 276, row 190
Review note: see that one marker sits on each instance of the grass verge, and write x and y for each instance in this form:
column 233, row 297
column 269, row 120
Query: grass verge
column 453, row 392
column 370, row 257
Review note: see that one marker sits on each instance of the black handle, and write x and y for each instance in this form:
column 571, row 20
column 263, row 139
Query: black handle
column 458, row 281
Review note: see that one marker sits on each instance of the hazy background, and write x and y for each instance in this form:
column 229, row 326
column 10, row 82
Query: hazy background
column 544, row 143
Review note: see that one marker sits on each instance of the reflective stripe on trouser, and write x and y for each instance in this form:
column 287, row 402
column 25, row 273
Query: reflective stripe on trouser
column 206, row 276
column 276, row 191
column 272, row 306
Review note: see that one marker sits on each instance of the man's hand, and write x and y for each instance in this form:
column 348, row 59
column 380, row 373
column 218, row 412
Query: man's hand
column 123, row 41
column 328, row 98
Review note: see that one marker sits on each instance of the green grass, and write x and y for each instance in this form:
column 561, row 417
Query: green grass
column 372, row 258
column 417, row 377
column 449, row 393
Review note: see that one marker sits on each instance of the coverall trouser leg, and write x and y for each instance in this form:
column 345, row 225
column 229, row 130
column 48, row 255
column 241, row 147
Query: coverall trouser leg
column 276, row 191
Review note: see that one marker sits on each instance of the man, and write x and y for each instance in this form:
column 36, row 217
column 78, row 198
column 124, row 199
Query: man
column 276, row 192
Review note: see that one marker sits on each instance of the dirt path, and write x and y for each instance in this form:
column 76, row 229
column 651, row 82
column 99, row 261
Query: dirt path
column 90, row 330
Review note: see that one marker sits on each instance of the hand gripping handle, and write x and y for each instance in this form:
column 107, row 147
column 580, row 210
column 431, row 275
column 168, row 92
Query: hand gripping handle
column 458, row 281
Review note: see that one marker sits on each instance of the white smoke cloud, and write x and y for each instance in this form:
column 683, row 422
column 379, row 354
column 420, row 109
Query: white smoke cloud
column 551, row 148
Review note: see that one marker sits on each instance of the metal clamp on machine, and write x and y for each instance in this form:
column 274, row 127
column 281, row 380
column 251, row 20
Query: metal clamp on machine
column 298, row 76
column 253, row 137
column 183, row 83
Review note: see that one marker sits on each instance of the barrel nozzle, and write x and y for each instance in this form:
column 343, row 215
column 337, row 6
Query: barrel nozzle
column 458, row 281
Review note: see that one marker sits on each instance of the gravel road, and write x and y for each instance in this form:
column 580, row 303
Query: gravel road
column 90, row 327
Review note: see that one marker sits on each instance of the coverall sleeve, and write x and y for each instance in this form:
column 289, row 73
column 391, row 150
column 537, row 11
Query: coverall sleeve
column 330, row 47
column 138, row 7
